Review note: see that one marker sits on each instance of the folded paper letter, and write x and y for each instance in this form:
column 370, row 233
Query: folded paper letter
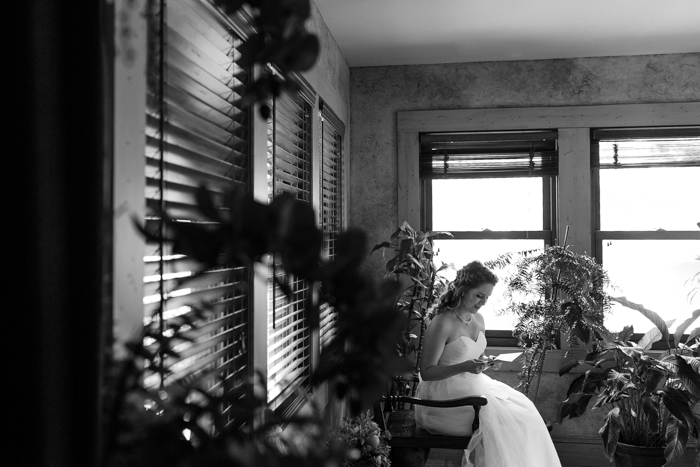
column 507, row 357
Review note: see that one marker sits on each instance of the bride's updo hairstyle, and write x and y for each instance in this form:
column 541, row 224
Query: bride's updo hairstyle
column 472, row 275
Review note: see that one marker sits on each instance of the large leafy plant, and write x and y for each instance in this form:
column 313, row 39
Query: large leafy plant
column 651, row 396
column 412, row 264
column 552, row 291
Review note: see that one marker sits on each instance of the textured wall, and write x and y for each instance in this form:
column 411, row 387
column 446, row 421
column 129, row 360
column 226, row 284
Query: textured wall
column 377, row 93
column 331, row 75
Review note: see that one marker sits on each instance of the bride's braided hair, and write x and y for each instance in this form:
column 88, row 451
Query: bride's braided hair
column 472, row 275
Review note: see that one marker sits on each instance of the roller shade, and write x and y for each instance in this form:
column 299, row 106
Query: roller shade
column 645, row 147
column 197, row 133
column 331, row 202
column 289, row 334
column 488, row 154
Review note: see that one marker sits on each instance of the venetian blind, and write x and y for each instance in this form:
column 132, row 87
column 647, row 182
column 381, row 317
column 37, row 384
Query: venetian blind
column 331, row 209
column 289, row 336
column 645, row 147
column 197, row 133
column 488, row 154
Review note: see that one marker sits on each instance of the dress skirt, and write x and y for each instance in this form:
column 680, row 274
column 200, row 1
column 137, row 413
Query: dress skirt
column 511, row 431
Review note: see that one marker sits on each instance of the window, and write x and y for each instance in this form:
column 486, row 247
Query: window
column 289, row 335
column 185, row 92
column 494, row 191
column 576, row 181
column 647, row 212
column 197, row 133
column 331, row 205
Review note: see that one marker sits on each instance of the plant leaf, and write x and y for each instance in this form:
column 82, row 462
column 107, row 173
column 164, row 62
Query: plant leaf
column 574, row 406
column 649, row 314
column 688, row 373
column 405, row 248
column 685, row 325
column 676, row 440
column 693, row 362
column 610, row 432
column 568, row 366
column 205, row 203
column 677, row 403
column 626, row 333
column 694, row 334
column 379, row 246
column 652, row 379
column 653, row 335
column 651, row 410
column 391, row 264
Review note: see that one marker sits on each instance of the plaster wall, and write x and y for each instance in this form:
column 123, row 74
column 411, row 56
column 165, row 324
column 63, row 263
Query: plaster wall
column 330, row 77
column 378, row 93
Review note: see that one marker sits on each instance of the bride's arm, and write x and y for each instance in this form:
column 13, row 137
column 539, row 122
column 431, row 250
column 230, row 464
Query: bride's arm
column 434, row 344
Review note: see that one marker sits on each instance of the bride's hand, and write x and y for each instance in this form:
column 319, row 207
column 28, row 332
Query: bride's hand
column 475, row 366
column 493, row 364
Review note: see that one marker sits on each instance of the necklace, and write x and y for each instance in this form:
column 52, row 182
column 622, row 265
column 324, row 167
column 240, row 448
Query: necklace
column 461, row 320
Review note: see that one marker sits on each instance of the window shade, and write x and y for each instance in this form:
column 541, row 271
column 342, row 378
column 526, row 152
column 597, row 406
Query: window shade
column 289, row 336
column 488, row 154
column 331, row 203
column 645, row 147
column 197, row 133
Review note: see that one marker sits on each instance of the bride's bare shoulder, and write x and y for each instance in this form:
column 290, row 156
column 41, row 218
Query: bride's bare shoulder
column 441, row 320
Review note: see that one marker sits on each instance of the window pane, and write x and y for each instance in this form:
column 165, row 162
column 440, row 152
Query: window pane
column 650, row 198
column 487, row 203
column 461, row 252
column 653, row 273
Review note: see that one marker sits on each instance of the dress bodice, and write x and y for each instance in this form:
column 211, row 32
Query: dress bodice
column 463, row 348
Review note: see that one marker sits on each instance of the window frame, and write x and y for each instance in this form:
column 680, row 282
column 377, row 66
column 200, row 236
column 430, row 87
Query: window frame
column 331, row 123
column 190, row 78
column 260, row 193
column 499, row 337
column 574, row 190
column 300, row 109
column 600, row 236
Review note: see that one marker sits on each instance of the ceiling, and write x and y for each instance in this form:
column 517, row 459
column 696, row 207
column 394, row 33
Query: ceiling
column 410, row 32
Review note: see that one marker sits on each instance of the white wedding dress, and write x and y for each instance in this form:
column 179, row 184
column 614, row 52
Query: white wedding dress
column 511, row 431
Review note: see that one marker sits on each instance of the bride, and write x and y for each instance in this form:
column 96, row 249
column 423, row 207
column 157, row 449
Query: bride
column 511, row 431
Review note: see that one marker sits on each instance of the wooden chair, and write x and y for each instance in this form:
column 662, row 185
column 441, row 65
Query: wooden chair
column 410, row 445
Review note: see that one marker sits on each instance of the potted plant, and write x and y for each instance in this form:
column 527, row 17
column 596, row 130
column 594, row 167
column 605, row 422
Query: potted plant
column 364, row 442
column 650, row 396
column 412, row 265
column 550, row 292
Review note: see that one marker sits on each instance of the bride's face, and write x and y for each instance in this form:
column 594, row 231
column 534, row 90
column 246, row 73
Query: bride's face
column 477, row 297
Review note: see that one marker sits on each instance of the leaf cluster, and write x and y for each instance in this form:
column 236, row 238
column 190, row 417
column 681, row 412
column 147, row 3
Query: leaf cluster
column 412, row 265
column 365, row 442
column 279, row 45
column 651, row 397
column 552, row 291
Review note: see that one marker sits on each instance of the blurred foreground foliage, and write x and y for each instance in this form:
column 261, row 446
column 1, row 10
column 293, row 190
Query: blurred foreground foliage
column 183, row 423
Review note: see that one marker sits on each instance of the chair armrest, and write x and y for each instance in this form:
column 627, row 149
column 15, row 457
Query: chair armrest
column 475, row 401
column 458, row 402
